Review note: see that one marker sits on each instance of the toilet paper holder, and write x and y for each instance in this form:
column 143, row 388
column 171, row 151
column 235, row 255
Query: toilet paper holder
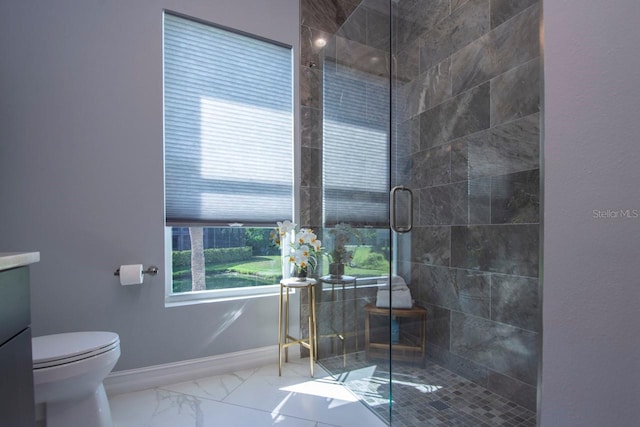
column 153, row 270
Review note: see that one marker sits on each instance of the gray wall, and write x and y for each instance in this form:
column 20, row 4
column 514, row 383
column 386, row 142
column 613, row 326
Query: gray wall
column 591, row 307
column 81, row 177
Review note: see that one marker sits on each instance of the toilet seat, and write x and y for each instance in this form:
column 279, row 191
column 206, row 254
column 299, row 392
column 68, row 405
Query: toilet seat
column 61, row 349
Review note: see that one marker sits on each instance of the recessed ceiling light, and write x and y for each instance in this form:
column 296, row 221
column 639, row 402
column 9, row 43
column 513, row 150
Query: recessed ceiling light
column 320, row 42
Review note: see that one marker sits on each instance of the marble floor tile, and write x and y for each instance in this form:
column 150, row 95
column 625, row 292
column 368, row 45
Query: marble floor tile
column 215, row 388
column 163, row 408
column 321, row 399
column 251, row 397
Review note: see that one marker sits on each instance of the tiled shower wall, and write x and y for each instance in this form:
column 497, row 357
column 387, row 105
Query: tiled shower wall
column 357, row 43
column 467, row 107
column 318, row 19
column 466, row 110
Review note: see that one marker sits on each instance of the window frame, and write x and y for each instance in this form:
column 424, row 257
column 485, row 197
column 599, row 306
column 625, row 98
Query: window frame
column 218, row 295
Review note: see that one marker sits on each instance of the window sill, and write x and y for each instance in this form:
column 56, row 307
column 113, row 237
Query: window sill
column 233, row 294
column 220, row 295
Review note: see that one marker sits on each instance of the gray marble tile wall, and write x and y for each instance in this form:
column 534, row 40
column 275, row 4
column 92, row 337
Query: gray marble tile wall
column 319, row 19
column 467, row 103
column 357, row 38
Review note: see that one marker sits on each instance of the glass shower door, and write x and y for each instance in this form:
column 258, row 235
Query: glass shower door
column 440, row 97
column 354, row 333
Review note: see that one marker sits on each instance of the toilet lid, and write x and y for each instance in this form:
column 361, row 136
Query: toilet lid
column 58, row 349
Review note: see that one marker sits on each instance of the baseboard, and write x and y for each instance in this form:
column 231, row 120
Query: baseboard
column 155, row 376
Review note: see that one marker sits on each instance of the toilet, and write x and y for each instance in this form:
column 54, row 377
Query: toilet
column 68, row 370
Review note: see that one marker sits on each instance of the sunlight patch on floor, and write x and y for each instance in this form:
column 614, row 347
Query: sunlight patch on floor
column 324, row 387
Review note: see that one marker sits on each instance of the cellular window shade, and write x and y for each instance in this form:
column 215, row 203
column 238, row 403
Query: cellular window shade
column 228, row 126
column 355, row 147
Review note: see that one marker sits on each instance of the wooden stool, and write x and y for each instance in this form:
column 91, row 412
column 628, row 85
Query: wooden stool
column 284, row 339
column 406, row 349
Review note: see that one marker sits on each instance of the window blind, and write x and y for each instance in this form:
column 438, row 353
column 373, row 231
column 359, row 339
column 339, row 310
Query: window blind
column 355, row 147
column 228, row 126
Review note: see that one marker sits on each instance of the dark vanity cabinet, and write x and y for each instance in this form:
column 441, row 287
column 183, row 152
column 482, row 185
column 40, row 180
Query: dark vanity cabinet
column 17, row 406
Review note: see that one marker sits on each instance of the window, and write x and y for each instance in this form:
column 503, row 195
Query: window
column 355, row 145
column 228, row 134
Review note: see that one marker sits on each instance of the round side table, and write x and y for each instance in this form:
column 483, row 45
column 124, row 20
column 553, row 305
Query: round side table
column 285, row 340
column 342, row 333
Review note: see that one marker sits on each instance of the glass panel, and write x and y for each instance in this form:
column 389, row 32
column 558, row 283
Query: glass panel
column 466, row 138
column 463, row 135
column 213, row 258
column 355, row 335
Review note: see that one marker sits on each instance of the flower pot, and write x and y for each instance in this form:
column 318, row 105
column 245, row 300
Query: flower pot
column 301, row 273
column 336, row 269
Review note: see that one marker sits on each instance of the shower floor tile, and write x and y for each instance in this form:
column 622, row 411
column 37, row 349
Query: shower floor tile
column 429, row 396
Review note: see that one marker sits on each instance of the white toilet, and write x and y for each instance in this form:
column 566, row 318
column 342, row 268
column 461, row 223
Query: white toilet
column 68, row 370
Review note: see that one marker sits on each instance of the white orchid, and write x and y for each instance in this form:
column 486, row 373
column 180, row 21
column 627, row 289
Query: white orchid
column 285, row 227
column 305, row 236
column 341, row 235
column 317, row 245
column 274, row 236
column 300, row 256
column 304, row 249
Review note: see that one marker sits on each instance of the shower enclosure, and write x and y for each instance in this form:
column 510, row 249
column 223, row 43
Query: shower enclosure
column 439, row 101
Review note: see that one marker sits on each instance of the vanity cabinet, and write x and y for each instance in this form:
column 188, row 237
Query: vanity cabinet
column 17, row 406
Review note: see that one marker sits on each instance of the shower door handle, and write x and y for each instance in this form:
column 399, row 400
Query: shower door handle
column 394, row 210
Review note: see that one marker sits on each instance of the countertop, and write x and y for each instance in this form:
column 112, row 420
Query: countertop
column 17, row 259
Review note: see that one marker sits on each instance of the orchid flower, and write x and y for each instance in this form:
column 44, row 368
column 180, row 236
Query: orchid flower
column 305, row 236
column 301, row 256
column 274, row 236
column 305, row 247
column 286, row 226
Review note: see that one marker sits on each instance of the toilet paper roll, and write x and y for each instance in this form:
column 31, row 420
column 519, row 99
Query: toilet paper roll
column 131, row 274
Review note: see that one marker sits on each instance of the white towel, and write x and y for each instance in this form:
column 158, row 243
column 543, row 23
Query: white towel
column 397, row 282
column 399, row 298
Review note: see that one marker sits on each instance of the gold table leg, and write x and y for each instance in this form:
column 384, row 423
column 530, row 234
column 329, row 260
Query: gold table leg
column 286, row 326
column 315, row 321
column 280, row 333
column 355, row 311
column 285, row 340
column 311, row 327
